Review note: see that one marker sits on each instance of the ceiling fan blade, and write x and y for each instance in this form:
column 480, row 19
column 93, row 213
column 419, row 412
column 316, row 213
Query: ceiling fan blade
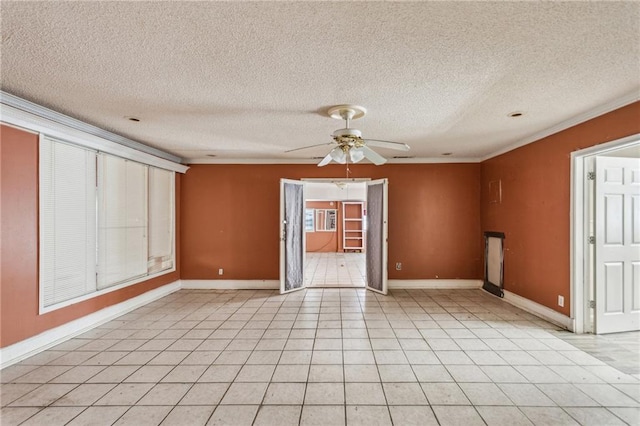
column 388, row 144
column 326, row 160
column 373, row 156
column 310, row 146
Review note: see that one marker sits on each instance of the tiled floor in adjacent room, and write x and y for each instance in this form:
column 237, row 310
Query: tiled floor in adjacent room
column 335, row 269
column 321, row 357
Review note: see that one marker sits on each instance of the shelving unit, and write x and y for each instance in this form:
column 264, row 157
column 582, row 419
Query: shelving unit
column 352, row 226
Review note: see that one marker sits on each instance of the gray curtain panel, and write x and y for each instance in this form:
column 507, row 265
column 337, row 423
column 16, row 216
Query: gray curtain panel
column 294, row 229
column 375, row 194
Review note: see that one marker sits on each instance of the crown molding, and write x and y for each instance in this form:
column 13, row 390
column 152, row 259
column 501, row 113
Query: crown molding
column 7, row 99
column 425, row 160
column 48, row 126
column 615, row 104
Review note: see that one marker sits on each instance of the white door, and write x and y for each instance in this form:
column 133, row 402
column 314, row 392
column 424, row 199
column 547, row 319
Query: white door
column 377, row 232
column 617, row 244
column 292, row 235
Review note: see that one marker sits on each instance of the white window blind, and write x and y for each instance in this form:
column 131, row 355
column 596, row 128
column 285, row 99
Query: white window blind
column 122, row 220
column 161, row 190
column 67, row 222
column 105, row 222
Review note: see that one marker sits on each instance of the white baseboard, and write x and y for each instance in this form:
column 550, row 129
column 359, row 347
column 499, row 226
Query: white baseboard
column 230, row 284
column 537, row 309
column 434, row 284
column 275, row 284
column 18, row 351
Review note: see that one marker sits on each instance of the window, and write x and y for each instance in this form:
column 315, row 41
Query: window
column 122, row 220
column 325, row 219
column 67, row 222
column 309, row 224
column 105, row 222
column 161, row 193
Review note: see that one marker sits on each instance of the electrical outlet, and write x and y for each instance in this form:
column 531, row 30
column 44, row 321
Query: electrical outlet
column 220, row 271
column 560, row 301
column 398, row 266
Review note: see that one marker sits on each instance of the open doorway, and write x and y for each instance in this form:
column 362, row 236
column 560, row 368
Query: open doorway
column 335, row 225
column 606, row 237
column 361, row 220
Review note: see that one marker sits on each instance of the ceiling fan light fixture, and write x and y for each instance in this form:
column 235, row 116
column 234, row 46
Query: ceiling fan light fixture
column 356, row 155
column 349, row 144
column 338, row 155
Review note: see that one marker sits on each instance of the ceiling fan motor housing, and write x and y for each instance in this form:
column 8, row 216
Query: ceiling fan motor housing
column 348, row 138
column 348, row 133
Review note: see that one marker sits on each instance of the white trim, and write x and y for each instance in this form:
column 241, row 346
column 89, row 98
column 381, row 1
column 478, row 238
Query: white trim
column 578, row 227
column 606, row 147
column 574, row 121
column 576, row 249
column 419, row 160
column 434, row 284
column 336, row 180
column 230, row 284
column 47, row 127
column 539, row 310
column 14, row 353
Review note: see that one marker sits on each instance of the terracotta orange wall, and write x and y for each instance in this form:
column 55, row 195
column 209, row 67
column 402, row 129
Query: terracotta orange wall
column 323, row 241
column 19, row 247
column 230, row 218
column 535, row 209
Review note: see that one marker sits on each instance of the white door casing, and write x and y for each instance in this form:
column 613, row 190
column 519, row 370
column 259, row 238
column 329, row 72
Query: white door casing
column 617, row 244
column 377, row 235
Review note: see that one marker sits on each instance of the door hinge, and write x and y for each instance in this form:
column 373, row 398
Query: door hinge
column 592, row 240
column 591, row 175
column 592, row 304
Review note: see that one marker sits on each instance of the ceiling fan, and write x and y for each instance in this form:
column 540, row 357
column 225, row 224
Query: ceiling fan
column 351, row 146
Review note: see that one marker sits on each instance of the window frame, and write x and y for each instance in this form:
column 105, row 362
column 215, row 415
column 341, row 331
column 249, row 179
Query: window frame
column 325, row 214
column 310, row 213
column 99, row 292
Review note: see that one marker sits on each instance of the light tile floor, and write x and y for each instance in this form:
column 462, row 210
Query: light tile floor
column 335, row 269
column 320, row 357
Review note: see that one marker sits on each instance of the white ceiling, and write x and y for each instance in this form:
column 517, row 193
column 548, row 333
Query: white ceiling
column 245, row 80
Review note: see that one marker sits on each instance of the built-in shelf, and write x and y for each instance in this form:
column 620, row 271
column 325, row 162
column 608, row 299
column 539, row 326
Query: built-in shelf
column 352, row 226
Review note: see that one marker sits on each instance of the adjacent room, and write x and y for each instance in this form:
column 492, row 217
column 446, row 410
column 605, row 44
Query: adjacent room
column 335, row 232
column 320, row 213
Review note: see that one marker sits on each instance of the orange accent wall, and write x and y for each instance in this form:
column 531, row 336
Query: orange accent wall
column 19, row 247
column 323, row 241
column 231, row 213
column 535, row 210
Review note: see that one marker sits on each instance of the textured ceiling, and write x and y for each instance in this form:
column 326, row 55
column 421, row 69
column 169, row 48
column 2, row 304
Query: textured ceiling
column 244, row 80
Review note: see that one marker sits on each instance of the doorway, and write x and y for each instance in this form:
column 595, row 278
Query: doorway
column 606, row 237
column 332, row 238
column 335, row 225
